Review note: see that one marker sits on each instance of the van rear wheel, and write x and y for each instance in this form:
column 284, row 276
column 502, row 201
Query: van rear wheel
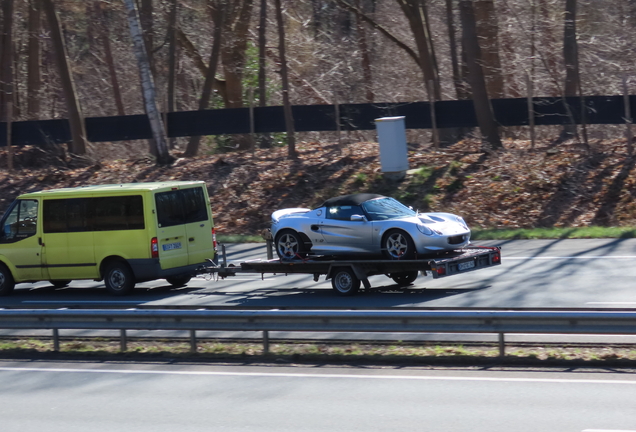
column 6, row 281
column 178, row 281
column 119, row 278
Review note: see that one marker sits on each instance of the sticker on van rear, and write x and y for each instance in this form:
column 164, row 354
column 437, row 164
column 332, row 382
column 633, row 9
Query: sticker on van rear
column 171, row 246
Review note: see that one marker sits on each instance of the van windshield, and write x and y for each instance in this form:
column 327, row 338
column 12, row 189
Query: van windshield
column 20, row 221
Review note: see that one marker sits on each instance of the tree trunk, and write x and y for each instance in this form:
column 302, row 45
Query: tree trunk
column 265, row 141
column 108, row 54
column 458, row 79
column 233, row 56
column 483, row 107
column 193, row 145
column 34, row 77
column 571, row 61
column 289, row 118
column 366, row 57
column 76, row 120
column 172, row 60
column 147, row 27
column 148, row 87
column 487, row 34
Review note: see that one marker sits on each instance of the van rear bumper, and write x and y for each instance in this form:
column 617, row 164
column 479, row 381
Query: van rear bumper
column 150, row 269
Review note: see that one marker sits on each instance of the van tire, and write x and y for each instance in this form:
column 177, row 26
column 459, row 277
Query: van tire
column 119, row 278
column 7, row 282
column 178, row 281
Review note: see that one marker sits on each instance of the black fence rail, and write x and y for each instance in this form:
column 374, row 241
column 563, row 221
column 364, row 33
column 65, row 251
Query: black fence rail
column 315, row 118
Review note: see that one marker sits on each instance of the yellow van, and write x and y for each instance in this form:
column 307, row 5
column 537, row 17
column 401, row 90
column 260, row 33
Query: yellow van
column 121, row 234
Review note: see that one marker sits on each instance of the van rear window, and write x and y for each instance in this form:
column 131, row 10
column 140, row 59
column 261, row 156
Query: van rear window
column 181, row 206
column 93, row 214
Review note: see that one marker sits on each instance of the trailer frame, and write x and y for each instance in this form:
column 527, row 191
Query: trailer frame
column 347, row 275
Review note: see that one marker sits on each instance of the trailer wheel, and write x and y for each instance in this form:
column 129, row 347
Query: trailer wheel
column 289, row 244
column 6, row 281
column 396, row 244
column 178, row 281
column 404, row 278
column 345, row 282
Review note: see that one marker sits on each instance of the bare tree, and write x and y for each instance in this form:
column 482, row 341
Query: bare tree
column 34, row 76
column 172, row 59
column 148, row 87
column 76, row 119
column 217, row 13
column 487, row 34
column 483, row 107
column 571, row 60
column 289, row 118
column 108, row 54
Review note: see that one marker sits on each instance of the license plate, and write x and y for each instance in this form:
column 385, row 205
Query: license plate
column 466, row 265
column 171, row 246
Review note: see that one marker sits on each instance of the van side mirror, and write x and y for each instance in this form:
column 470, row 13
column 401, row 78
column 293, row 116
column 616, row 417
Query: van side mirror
column 358, row 218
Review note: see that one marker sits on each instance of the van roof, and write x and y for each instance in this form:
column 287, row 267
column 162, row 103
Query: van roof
column 109, row 188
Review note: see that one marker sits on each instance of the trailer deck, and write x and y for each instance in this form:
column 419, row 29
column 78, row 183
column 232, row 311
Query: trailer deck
column 346, row 275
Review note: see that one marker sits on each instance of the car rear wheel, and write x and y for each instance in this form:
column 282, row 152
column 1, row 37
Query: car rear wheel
column 178, row 281
column 6, row 281
column 60, row 283
column 398, row 245
column 119, row 278
column 404, row 278
column 289, row 245
column 345, row 282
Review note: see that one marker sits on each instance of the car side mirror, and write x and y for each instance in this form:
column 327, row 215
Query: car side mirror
column 358, row 218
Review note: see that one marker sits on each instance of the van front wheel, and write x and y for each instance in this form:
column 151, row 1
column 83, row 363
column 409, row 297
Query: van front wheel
column 6, row 281
column 119, row 278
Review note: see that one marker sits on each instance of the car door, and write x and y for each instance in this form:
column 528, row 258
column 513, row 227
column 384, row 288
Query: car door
column 171, row 229
column 342, row 234
column 20, row 240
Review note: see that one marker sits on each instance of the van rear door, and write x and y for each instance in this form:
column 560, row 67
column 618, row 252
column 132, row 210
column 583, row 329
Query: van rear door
column 198, row 224
column 171, row 229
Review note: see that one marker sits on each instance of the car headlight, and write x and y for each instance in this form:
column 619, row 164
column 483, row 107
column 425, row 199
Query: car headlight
column 424, row 229
column 461, row 221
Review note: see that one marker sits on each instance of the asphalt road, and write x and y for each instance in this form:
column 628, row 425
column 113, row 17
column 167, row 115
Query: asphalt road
column 78, row 397
column 533, row 274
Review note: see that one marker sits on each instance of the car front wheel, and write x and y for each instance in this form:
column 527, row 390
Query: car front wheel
column 289, row 245
column 398, row 245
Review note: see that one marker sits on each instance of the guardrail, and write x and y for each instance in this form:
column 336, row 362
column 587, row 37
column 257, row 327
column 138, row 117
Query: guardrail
column 477, row 321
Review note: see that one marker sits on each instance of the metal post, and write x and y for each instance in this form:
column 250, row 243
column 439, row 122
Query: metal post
column 56, row 340
column 502, row 346
column 193, row 341
column 224, row 255
column 265, row 342
column 123, row 342
column 270, row 254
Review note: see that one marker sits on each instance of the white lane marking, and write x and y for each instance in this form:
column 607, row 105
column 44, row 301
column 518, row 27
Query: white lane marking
column 606, row 430
column 584, row 257
column 318, row 375
column 611, row 303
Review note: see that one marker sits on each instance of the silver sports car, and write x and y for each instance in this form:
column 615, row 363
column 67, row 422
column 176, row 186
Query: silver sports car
column 366, row 224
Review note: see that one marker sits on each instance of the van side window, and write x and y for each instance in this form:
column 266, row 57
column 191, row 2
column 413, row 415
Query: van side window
column 93, row 214
column 180, row 207
column 20, row 222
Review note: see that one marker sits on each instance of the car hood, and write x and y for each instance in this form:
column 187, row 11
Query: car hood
column 280, row 214
column 441, row 223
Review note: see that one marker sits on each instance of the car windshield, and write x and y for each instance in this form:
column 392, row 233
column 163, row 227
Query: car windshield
column 386, row 208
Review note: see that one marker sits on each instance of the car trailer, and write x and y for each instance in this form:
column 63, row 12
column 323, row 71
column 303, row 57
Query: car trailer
column 346, row 275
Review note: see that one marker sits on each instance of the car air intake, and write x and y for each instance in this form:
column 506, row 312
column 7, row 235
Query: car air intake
column 456, row 239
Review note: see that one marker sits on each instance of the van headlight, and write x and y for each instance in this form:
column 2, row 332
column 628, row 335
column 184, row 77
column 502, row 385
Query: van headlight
column 424, row 229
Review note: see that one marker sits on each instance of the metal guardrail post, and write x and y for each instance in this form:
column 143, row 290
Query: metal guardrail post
column 224, row 255
column 56, row 340
column 265, row 342
column 270, row 254
column 193, row 341
column 123, row 341
column 502, row 345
